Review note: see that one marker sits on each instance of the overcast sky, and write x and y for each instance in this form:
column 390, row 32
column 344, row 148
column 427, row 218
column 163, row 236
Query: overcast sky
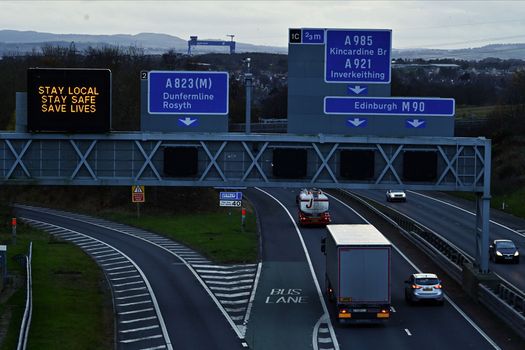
column 416, row 23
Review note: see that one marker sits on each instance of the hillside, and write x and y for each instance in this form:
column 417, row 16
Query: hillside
column 13, row 42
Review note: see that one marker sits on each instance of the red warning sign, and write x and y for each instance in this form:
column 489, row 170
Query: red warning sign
column 138, row 194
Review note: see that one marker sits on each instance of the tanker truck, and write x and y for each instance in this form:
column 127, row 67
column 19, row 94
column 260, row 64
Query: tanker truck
column 313, row 207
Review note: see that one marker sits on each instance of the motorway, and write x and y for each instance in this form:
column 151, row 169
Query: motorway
column 420, row 326
column 460, row 219
column 288, row 310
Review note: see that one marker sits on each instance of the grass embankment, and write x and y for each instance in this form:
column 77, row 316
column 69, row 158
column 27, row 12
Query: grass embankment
column 71, row 307
column 514, row 202
column 218, row 235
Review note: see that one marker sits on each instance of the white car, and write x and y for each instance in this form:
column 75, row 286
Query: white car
column 424, row 287
column 396, row 195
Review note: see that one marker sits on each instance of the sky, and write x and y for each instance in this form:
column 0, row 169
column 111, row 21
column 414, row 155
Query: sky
column 414, row 24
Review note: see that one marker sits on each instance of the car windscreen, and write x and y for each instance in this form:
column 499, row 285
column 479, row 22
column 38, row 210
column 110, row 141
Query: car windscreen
column 427, row 281
column 505, row 245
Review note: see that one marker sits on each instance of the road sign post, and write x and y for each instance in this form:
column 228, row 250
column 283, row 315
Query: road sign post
column 243, row 218
column 13, row 230
column 138, row 195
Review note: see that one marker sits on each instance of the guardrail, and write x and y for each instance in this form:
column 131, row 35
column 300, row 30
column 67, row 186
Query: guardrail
column 504, row 300
column 26, row 320
column 506, row 308
column 445, row 254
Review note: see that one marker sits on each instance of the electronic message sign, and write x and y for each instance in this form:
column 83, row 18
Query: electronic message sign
column 68, row 100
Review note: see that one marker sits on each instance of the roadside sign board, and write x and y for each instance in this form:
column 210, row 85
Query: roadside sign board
column 138, row 194
column 188, row 93
column 236, row 196
column 226, row 203
column 75, row 100
column 391, row 106
column 358, row 56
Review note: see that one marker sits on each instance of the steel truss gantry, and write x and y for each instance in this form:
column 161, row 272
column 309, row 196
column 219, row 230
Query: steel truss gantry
column 242, row 160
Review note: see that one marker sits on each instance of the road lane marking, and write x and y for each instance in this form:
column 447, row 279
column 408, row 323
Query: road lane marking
column 469, row 212
column 136, row 311
column 132, row 296
column 127, row 341
column 239, row 330
column 465, row 316
column 408, row 332
column 314, row 277
column 139, row 329
column 145, row 281
column 138, row 320
column 135, row 303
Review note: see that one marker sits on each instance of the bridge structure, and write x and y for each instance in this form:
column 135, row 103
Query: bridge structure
column 70, row 142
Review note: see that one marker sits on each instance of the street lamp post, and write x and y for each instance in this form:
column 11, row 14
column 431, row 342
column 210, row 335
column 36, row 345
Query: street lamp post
column 248, row 84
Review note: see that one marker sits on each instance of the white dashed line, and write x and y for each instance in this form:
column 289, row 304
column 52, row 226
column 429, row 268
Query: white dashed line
column 408, row 332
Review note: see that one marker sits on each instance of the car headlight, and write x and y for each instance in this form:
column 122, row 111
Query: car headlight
column 517, row 253
column 498, row 253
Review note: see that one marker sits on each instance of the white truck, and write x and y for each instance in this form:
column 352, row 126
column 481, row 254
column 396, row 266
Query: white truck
column 313, row 207
column 358, row 272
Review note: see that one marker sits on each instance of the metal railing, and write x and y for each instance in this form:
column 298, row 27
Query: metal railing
column 445, row 254
column 26, row 320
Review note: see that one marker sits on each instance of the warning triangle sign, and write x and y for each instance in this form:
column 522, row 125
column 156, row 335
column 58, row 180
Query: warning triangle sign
column 137, row 189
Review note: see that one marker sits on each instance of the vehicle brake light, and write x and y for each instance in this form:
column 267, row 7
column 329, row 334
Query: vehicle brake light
column 343, row 313
column 383, row 314
column 438, row 286
column 415, row 286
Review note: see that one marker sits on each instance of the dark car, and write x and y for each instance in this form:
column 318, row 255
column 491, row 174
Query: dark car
column 504, row 250
column 424, row 287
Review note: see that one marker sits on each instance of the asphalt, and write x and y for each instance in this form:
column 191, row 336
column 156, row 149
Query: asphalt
column 192, row 319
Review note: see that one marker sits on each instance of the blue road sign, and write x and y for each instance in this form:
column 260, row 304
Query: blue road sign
column 357, row 90
column 183, row 93
column 358, row 56
column 233, row 196
column 415, row 123
column 312, row 36
column 188, row 122
column 357, row 122
column 409, row 106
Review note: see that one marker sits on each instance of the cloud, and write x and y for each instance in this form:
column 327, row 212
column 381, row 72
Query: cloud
column 444, row 24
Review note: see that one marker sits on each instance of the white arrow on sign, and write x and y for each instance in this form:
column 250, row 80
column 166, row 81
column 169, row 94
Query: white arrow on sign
column 357, row 89
column 356, row 121
column 416, row 123
column 187, row 121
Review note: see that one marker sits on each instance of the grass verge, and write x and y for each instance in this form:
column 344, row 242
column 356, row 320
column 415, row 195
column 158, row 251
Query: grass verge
column 514, row 202
column 218, row 235
column 71, row 307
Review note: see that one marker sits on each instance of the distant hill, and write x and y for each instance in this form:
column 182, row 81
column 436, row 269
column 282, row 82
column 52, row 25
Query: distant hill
column 502, row 51
column 20, row 42
column 14, row 41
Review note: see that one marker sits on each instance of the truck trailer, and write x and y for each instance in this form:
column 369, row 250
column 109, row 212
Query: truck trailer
column 358, row 272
